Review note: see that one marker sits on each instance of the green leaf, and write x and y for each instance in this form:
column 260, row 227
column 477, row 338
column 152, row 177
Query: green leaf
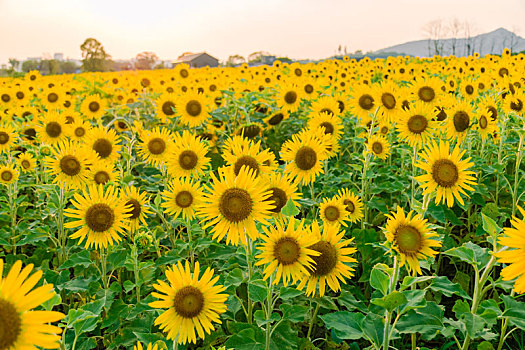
column 515, row 311
column 415, row 300
column 55, row 300
column 390, row 301
column 379, row 279
column 373, row 328
column 444, row 285
column 408, row 281
column 247, row 339
column 470, row 253
column 128, row 285
column 82, row 321
column 427, row 320
column 294, row 313
column 490, row 226
column 81, row 258
column 286, row 293
column 345, row 325
column 289, row 209
column 485, row 346
column 261, row 320
column 257, row 290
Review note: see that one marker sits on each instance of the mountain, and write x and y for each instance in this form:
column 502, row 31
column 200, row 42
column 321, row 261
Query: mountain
column 489, row 43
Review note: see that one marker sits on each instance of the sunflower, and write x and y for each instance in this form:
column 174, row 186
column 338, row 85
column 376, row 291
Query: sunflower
column 137, row 202
column 486, row 125
column 8, row 174
column 26, row 161
column 515, row 103
column 192, row 108
column 428, row 90
column 183, row 196
column 469, row 89
column 333, row 212
column 155, row 146
column 191, row 303
column 282, row 188
column 411, row 238
column 331, row 263
column 68, row 165
column 101, row 215
column 249, row 131
column 378, row 146
column 52, row 98
column 325, row 104
column 234, row 204
column 188, row 157
column 276, row 118
column 8, row 136
column 446, row 173
column 285, row 250
column 353, row 205
column 150, row 346
column 104, row 143
column 331, row 124
column 166, row 106
column 492, row 104
column 459, row 120
column 22, row 327
column 363, row 102
column 514, row 238
column 388, row 101
column 93, row 107
column 305, row 154
column 78, row 130
column 289, row 97
column 52, row 128
column 101, row 173
column 415, row 125
column 261, row 161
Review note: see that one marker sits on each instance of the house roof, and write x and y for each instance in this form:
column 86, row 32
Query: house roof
column 191, row 57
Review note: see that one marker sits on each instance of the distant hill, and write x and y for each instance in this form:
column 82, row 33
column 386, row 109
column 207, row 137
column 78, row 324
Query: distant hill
column 488, row 43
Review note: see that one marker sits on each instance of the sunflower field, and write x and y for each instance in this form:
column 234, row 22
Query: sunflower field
column 344, row 204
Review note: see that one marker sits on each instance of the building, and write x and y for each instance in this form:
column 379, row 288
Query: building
column 197, row 60
column 58, row 56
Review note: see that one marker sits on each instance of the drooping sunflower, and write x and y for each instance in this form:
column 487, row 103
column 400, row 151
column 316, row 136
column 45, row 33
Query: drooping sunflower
column 26, row 161
column 234, row 204
column 282, row 188
column 52, row 128
column 378, row 146
column 416, row 125
column 105, row 143
column 276, row 118
column 514, row 237
column 8, row 136
column 305, row 154
column 101, row 215
column 183, row 196
column 515, row 103
column 192, row 108
column 137, row 202
column 21, row 326
column 166, row 106
column 68, row 165
column 192, row 304
column 333, row 212
column 188, row 157
column 285, row 250
column 459, row 120
column 93, row 107
column 8, row 174
column 353, row 205
column 261, row 161
column 101, row 173
column 446, row 173
column 411, row 238
column 331, row 263
column 155, row 146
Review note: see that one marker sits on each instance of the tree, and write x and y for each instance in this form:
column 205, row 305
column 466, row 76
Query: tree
column 454, row 29
column 435, row 32
column 29, row 66
column 235, row 60
column 95, row 58
column 146, row 60
column 68, row 67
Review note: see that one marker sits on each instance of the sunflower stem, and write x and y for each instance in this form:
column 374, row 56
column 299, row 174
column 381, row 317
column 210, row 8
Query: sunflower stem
column 391, row 287
column 516, row 170
column 12, row 194
column 500, row 151
column 103, row 263
column 190, row 243
column 62, row 238
column 250, row 273
column 504, row 326
column 269, row 310
column 312, row 320
column 413, row 184
column 134, row 252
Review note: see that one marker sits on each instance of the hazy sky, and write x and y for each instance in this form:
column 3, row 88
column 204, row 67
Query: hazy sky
column 295, row 28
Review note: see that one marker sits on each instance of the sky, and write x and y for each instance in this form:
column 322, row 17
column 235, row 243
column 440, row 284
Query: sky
column 299, row 29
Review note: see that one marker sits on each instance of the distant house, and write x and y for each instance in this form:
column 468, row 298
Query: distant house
column 197, row 60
